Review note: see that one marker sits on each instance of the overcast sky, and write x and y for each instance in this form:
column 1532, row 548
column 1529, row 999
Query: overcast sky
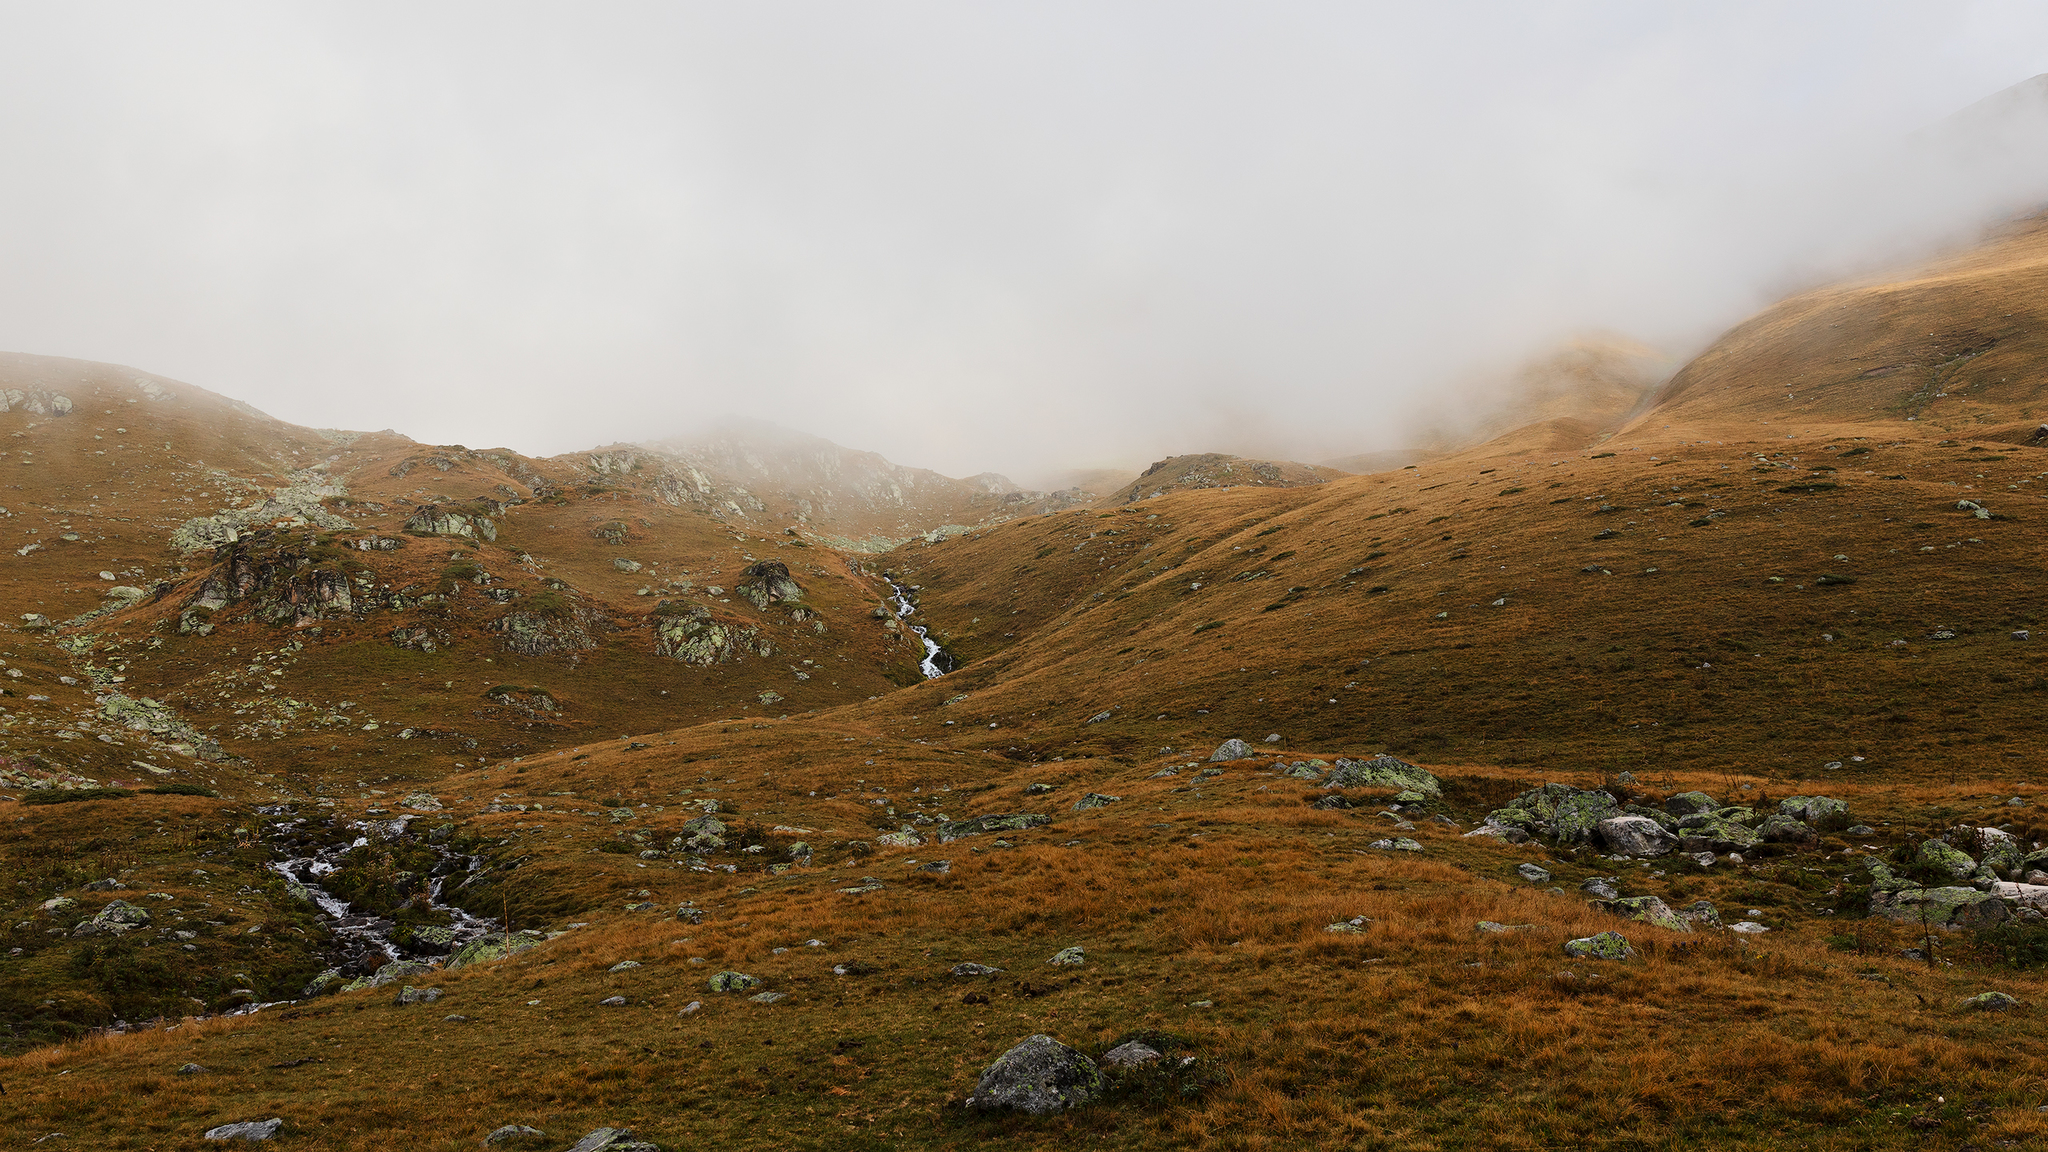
column 1010, row 236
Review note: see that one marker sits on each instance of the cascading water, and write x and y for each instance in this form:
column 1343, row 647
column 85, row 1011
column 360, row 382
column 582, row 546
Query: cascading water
column 935, row 663
column 358, row 934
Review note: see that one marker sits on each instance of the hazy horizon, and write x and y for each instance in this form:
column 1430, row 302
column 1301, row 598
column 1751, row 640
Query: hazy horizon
column 1008, row 238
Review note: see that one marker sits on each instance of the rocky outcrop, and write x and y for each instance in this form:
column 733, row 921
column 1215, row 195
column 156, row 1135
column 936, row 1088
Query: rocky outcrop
column 462, row 521
column 767, row 582
column 1953, row 907
column 297, row 505
column 1635, row 836
column 1039, row 1077
column 693, row 636
column 540, row 633
column 980, row 825
column 1382, row 772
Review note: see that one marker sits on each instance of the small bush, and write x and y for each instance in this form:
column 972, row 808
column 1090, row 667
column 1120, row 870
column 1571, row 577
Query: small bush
column 178, row 790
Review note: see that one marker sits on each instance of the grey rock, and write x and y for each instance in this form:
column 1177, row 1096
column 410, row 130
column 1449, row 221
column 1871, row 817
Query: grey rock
column 1232, row 749
column 1039, row 1077
column 1702, row 912
column 1095, row 800
column 733, row 982
column 251, row 1130
column 969, row 968
column 1989, row 1002
column 1935, row 854
column 1952, row 907
column 769, row 997
column 512, row 1132
column 412, row 995
column 1130, row 1055
column 1691, row 803
column 1601, row 887
column 1812, row 809
column 1649, row 910
column 1494, row 927
column 624, row 966
column 1533, row 873
column 1638, row 836
column 612, row 1140
column 1068, row 956
column 191, row 1070
column 979, row 825
column 1605, row 946
column 1782, row 829
column 118, row 917
column 1403, row 844
column 1576, row 817
column 612, row 1002
column 1383, row 772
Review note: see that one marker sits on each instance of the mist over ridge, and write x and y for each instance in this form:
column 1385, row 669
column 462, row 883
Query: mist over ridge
column 1024, row 241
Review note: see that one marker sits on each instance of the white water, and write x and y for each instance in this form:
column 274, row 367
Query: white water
column 372, row 932
column 929, row 665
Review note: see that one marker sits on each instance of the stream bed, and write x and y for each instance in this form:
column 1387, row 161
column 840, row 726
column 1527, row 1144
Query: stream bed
column 936, row 662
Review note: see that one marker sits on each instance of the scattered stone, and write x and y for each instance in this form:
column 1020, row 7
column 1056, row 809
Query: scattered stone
column 1747, row 927
column 624, row 966
column 903, row 839
column 1605, row 946
column 1130, row 1055
column 1039, row 789
column 250, row 1130
column 1702, row 912
column 1495, row 927
column 512, row 1132
column 1812, row 809
column 942, row 867
column 1935, row 854
column 955, row 829
column 612, row 1002
column 1626, row 779
column 1039, row 1077
column 1273, row 738
column 118, row 917
column 1383, row 772
column 1534, row 874
column 1066, row 956
column 769, row 997
column 1601, row 887
column 1691, row 804
column 1232, row 749
column 1989, row 1002
column 691, row 1007
column 612, row 1140
column 489, row 948
column 412, row 995
column 1095, row 800
column 1402, row 844
column 1782, row 829
column 191, row 1070
column 1638, row 836
column 1648, row 909
column 969, row 968
column 733, row 982
column 1577, row 817
column 1345, row 926
column 1953, row 907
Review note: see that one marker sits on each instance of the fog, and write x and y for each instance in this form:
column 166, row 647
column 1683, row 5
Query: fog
column 1015, row 237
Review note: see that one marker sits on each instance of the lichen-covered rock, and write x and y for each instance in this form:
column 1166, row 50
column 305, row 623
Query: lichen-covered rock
column 695, row 638
column 1997, row 850
column 511, row 1132
column 904, row 839
column 117, row 918
column 1576, row 817
column 1691, row 804
column 1066, row 957
column 970, row 968
column 612, row 1140
column 1401, row 844
column 1533, row 873
column 1094, row 800
column 1702, row 912
column 1040, row 1077
column 1648, row 909
column 1635, row 836
column 955, row 829
column 1779, row 828
column 249, row 1130
column 1231, row 749
column 538, row 633
column 329, row 981
column 1813, row 809
column 1714, row 834
column 1937, row 855
column 766, row 583
column 733, row 982
column 1604, row 946
column 1952, row 907
column 1130, row 1055
column 490, row 948
column 1543, row 799
column 438, row 520
column 1383, row 772
column 412, row 995
column 1989, row 1002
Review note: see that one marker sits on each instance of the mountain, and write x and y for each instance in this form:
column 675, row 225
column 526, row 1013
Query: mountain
column 409, row 792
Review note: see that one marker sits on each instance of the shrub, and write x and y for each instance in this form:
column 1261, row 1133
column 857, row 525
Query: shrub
column 71, row 795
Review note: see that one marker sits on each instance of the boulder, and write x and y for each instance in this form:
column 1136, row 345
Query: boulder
column 1942, row 857
column 612, row 1140
column 1533, row 873
column 1997, row 850
column 1068, row 956
column 512, row 1132
column 1635, row 836
column 1702, row 912
column 251, row 1130
column 1039, row 1077
column 412, row 995
column 1989, row 1002
column 490, row 948
column 1577, row 816
column 1094, row 800
column 1401, row 844
column 1130, row 1055
column 118, row 917
column 979, row 825
column 1601, row 888
column 1715, row 834
column 1232, row 749
column 1648, row 909
column 969, row 968
column 1383, row 772
column 1953, row 907
column 733, row 982
column 1812, row 809
column 2033, row 896
column 1605, row 946
column 766, row 583
column 1779, row 828
column 1691, row 803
